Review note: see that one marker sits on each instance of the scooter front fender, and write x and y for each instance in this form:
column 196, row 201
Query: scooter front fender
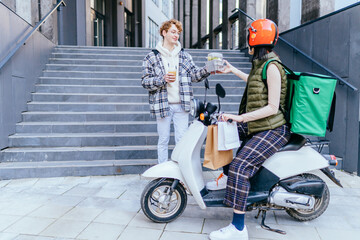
column 168, row 169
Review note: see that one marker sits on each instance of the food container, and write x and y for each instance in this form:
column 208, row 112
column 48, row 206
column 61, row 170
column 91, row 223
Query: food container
column 215, row 62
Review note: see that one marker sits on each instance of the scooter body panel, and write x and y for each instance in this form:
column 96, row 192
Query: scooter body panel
column 168, row 169
column 291, row 163
column 187, row 154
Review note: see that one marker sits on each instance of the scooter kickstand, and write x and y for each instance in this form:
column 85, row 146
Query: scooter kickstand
column 266, row 227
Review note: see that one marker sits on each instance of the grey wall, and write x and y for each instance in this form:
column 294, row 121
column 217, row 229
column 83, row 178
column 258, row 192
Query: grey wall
column 334, row 41
column 18, row 76
column 68, row 24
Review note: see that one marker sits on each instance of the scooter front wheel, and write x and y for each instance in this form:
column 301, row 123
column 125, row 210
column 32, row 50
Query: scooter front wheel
column 159, row 204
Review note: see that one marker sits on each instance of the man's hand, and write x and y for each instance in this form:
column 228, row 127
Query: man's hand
column 169, row 77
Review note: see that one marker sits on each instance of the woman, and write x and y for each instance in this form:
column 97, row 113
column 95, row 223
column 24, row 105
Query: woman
column 261, row 124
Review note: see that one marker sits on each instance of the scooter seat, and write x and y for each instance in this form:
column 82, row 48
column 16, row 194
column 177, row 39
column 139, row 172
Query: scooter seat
column 295, row 142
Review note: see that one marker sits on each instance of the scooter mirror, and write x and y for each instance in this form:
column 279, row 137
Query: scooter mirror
column 220, row 91
column 206, row 81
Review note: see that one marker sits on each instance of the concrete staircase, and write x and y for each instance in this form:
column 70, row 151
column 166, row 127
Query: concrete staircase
column 90, row 115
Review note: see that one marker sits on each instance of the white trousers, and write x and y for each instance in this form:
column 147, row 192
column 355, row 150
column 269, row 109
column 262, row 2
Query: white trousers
column 180, row 119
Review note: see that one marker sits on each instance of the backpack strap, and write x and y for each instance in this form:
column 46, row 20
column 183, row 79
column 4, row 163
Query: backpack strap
column 264, row 75
column 156, row 52
column 264, row 79
column 330, row 123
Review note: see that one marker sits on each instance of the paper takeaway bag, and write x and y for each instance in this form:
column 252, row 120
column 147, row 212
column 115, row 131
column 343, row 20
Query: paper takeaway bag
column 228, row 136
column 213, row 158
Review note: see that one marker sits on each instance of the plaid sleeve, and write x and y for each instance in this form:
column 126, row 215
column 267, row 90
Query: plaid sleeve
column 197, row 73
column 150, row 80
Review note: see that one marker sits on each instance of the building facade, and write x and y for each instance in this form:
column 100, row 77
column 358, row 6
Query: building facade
column 203, row 19
column 129, row 23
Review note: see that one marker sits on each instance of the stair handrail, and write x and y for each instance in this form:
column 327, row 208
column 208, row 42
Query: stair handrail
column 24, row 39
column 305, row 55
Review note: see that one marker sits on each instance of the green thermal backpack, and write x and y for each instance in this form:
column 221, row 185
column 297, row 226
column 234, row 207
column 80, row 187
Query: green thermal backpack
column 310, row 101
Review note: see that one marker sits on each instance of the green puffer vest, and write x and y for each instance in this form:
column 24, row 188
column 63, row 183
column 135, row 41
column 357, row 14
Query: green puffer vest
column 256, row 97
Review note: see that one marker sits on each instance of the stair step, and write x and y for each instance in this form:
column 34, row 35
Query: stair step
column 126, row 81
column 101, row 107
column 84, row 139
column 75, row 168
column 136, row 75
column 142, row 52
column 86, row 127
column 88, row 116
column 93, row 97
column 236, row 62
column 88, row 153
column 62, row 88
column 123, row 56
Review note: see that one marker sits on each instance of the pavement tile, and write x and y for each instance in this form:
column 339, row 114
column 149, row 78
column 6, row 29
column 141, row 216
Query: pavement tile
column 54, row 190
column 100, row 231
column 140, row 220
column 98, row 181
column 110, row 192
column 336, row 234
column 115, row 204
column 182, row 236
column 7, row 220
column 186, row 224
column 335, row 222
column 119, row 217
column 22, row 183
column 214, row 224
column 66, row 200
column 353, row 201
column 82, row 191
column 65, row 228
column 132, row 233
column 49, row 182
column 35, row 237
column 82, row 214
column 4, row 183
column 292, row 232
column 20, row 209
column 8, row 236
column 211, row 212
column 30, row 225
column 50, row 211
column 76, row 180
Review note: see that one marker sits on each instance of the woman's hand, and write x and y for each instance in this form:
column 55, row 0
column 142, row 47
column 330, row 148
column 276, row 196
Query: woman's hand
column 228, row 68
column 169, row 77
column 226, row 116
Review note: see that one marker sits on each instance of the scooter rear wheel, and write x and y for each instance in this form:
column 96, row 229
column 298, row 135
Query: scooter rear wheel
column 158, row 205
column 321, row 204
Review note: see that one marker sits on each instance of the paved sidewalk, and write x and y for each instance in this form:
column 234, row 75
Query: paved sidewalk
column 108, row 208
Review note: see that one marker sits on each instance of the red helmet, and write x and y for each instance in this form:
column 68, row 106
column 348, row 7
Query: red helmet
column 263, row 33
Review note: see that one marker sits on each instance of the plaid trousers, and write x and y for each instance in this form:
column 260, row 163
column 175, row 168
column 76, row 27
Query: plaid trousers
column 248, row 160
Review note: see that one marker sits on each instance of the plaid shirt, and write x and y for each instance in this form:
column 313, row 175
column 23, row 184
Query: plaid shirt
column 153, row 80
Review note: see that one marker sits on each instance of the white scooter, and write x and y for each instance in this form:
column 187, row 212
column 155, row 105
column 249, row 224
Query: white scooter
column 282, row 183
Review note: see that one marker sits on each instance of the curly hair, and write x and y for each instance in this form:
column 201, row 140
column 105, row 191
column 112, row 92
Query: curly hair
column 166, row 25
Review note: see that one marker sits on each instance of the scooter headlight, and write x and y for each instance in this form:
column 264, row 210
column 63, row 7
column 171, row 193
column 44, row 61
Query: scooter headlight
column 196, row 107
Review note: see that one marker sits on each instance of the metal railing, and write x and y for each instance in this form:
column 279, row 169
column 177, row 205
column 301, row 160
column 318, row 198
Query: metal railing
column 24, row 39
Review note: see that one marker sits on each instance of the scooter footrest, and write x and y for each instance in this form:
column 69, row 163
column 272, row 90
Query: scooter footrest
column 215, row 198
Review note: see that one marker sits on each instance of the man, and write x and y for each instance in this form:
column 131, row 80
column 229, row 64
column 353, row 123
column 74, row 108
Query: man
column 168, row 73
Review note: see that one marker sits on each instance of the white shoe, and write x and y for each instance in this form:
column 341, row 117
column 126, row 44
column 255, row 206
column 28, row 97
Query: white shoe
column 229, row 233
column 217, row 184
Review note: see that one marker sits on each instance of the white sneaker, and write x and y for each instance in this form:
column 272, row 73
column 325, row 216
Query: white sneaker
column 217, row 184
column 229, row 233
